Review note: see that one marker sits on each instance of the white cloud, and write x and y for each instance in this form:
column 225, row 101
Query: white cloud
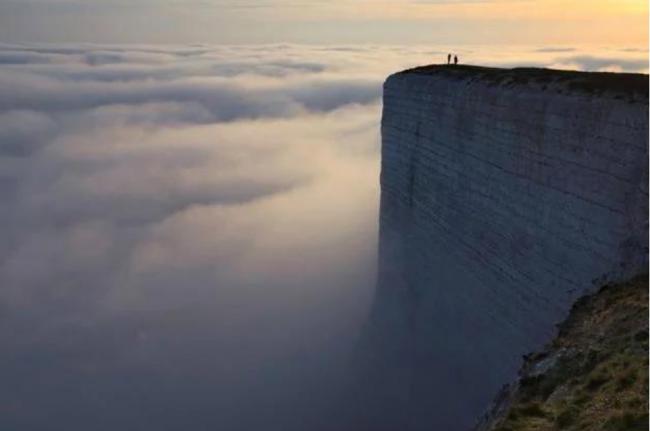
column 186, row 213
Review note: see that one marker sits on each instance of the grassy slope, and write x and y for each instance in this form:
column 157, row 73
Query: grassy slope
column 594, row 376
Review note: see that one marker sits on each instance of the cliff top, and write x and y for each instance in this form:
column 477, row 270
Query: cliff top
column 626, row 84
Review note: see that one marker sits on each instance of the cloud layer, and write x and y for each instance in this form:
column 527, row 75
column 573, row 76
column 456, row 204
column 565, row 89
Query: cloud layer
column 188, row 233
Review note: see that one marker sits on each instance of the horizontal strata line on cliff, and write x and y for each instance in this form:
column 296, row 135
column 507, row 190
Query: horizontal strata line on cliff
column 480, row 217
column 496, row 229
column 558, row 143
column 566, row 231
column 449, row 110
column 525, row 298
column 568, row 224
column 533, row 202
column 526, row 149
column 495, row 255
column 436, row 158
column 447, row 102
column 504, row 198
column 515, row 174
column 494, row 259
column 586, row 175
column 535, row 102
column 524, row 187
column 439, row 103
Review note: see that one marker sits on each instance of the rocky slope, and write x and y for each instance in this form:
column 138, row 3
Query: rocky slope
column 593, row 376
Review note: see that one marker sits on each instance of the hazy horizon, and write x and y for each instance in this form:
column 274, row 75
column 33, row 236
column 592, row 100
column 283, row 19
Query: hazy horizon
column 459, row 22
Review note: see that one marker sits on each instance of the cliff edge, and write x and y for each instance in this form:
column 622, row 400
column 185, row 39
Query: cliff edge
column 505, row 196
column 633, row 86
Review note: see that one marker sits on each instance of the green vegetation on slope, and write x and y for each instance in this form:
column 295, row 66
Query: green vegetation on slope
column 594, row 376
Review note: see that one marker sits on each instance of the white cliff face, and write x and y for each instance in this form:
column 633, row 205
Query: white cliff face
column 501, row 204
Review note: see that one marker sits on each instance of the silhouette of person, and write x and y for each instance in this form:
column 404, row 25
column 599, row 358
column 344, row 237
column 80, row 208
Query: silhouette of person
column 455, row 59
column 448, row 58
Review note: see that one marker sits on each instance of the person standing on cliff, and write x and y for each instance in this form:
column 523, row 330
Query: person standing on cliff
column 455, row 59
column 448, row 58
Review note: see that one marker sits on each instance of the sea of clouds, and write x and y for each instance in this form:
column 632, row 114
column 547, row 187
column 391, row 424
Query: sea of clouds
column 188, row 233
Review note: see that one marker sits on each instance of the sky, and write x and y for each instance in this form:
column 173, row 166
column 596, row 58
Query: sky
column 190, row 194
column 326, row 21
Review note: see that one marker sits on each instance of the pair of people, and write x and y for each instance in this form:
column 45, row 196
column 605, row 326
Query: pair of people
column 449, row 59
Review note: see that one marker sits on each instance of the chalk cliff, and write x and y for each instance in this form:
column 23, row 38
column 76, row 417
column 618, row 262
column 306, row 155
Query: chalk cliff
column 505, row 196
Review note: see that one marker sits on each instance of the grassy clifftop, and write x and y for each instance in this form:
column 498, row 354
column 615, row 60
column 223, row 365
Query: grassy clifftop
column 633, row 86
column 593, row 376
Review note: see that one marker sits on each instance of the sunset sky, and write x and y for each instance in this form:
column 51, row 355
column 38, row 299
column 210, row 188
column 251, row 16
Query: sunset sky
column 326, row 21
